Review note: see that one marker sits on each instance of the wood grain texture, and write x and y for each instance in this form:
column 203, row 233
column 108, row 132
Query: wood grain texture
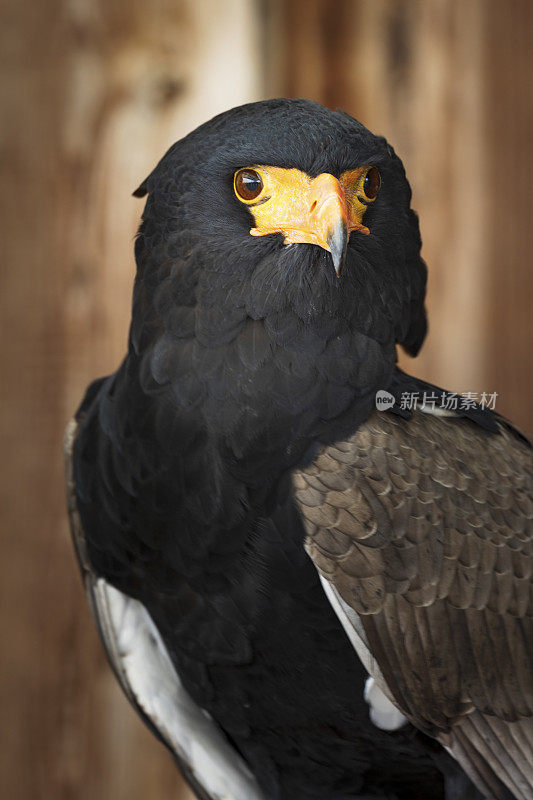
column 93, row 94
column 446, row 83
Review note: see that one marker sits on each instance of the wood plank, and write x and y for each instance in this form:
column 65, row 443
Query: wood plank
column 94, row 94
column 508, row 57
column 446, row 82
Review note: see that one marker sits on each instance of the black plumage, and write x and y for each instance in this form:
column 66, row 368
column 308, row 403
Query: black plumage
column 247, row 357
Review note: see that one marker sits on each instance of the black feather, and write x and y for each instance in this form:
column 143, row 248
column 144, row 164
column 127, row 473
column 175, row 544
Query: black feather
column 244, row 355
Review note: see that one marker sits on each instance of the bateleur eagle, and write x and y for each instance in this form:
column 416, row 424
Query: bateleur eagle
column 304, row 596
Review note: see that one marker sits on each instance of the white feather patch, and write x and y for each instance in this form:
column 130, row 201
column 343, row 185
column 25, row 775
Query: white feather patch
column 141, row 656
column 383, row 713
column 437, row 411
column 380, row 712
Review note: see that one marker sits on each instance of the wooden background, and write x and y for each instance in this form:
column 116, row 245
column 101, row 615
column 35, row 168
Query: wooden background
column 92, row 93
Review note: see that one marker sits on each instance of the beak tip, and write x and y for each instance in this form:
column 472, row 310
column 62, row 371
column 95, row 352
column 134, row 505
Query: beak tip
column 338, row 261
column 337, row 243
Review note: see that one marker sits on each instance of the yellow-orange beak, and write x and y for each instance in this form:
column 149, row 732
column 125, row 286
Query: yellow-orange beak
column 327, row 219
column 306, row 210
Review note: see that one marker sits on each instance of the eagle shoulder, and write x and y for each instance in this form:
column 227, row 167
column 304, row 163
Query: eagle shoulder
column 422, row 531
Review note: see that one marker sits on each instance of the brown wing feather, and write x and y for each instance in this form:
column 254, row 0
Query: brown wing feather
column 424, row 527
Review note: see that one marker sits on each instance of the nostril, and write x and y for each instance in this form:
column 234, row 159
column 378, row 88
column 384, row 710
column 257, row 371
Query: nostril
column 313, row 206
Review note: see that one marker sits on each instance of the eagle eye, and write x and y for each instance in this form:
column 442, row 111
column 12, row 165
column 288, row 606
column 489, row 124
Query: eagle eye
column 371, row 184
column 248, row 184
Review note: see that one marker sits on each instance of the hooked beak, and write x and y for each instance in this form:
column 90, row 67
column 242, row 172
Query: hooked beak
column 310, row 211
column 337, row 244
column 328, row 218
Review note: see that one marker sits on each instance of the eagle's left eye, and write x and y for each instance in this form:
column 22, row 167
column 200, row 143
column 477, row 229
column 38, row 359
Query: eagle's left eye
column 248, row 184
column 371, row 184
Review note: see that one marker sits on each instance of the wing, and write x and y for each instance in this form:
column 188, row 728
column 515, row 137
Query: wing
column 149, row 680
column 421, row 530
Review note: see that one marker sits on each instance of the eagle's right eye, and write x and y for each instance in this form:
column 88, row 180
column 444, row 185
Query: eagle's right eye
column 248, row 184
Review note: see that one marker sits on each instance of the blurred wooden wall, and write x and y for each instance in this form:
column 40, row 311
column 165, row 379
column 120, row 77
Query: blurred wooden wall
column 92, row 94
column 448, row 83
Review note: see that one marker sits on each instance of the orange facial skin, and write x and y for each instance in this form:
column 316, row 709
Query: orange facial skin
column 322, row 211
